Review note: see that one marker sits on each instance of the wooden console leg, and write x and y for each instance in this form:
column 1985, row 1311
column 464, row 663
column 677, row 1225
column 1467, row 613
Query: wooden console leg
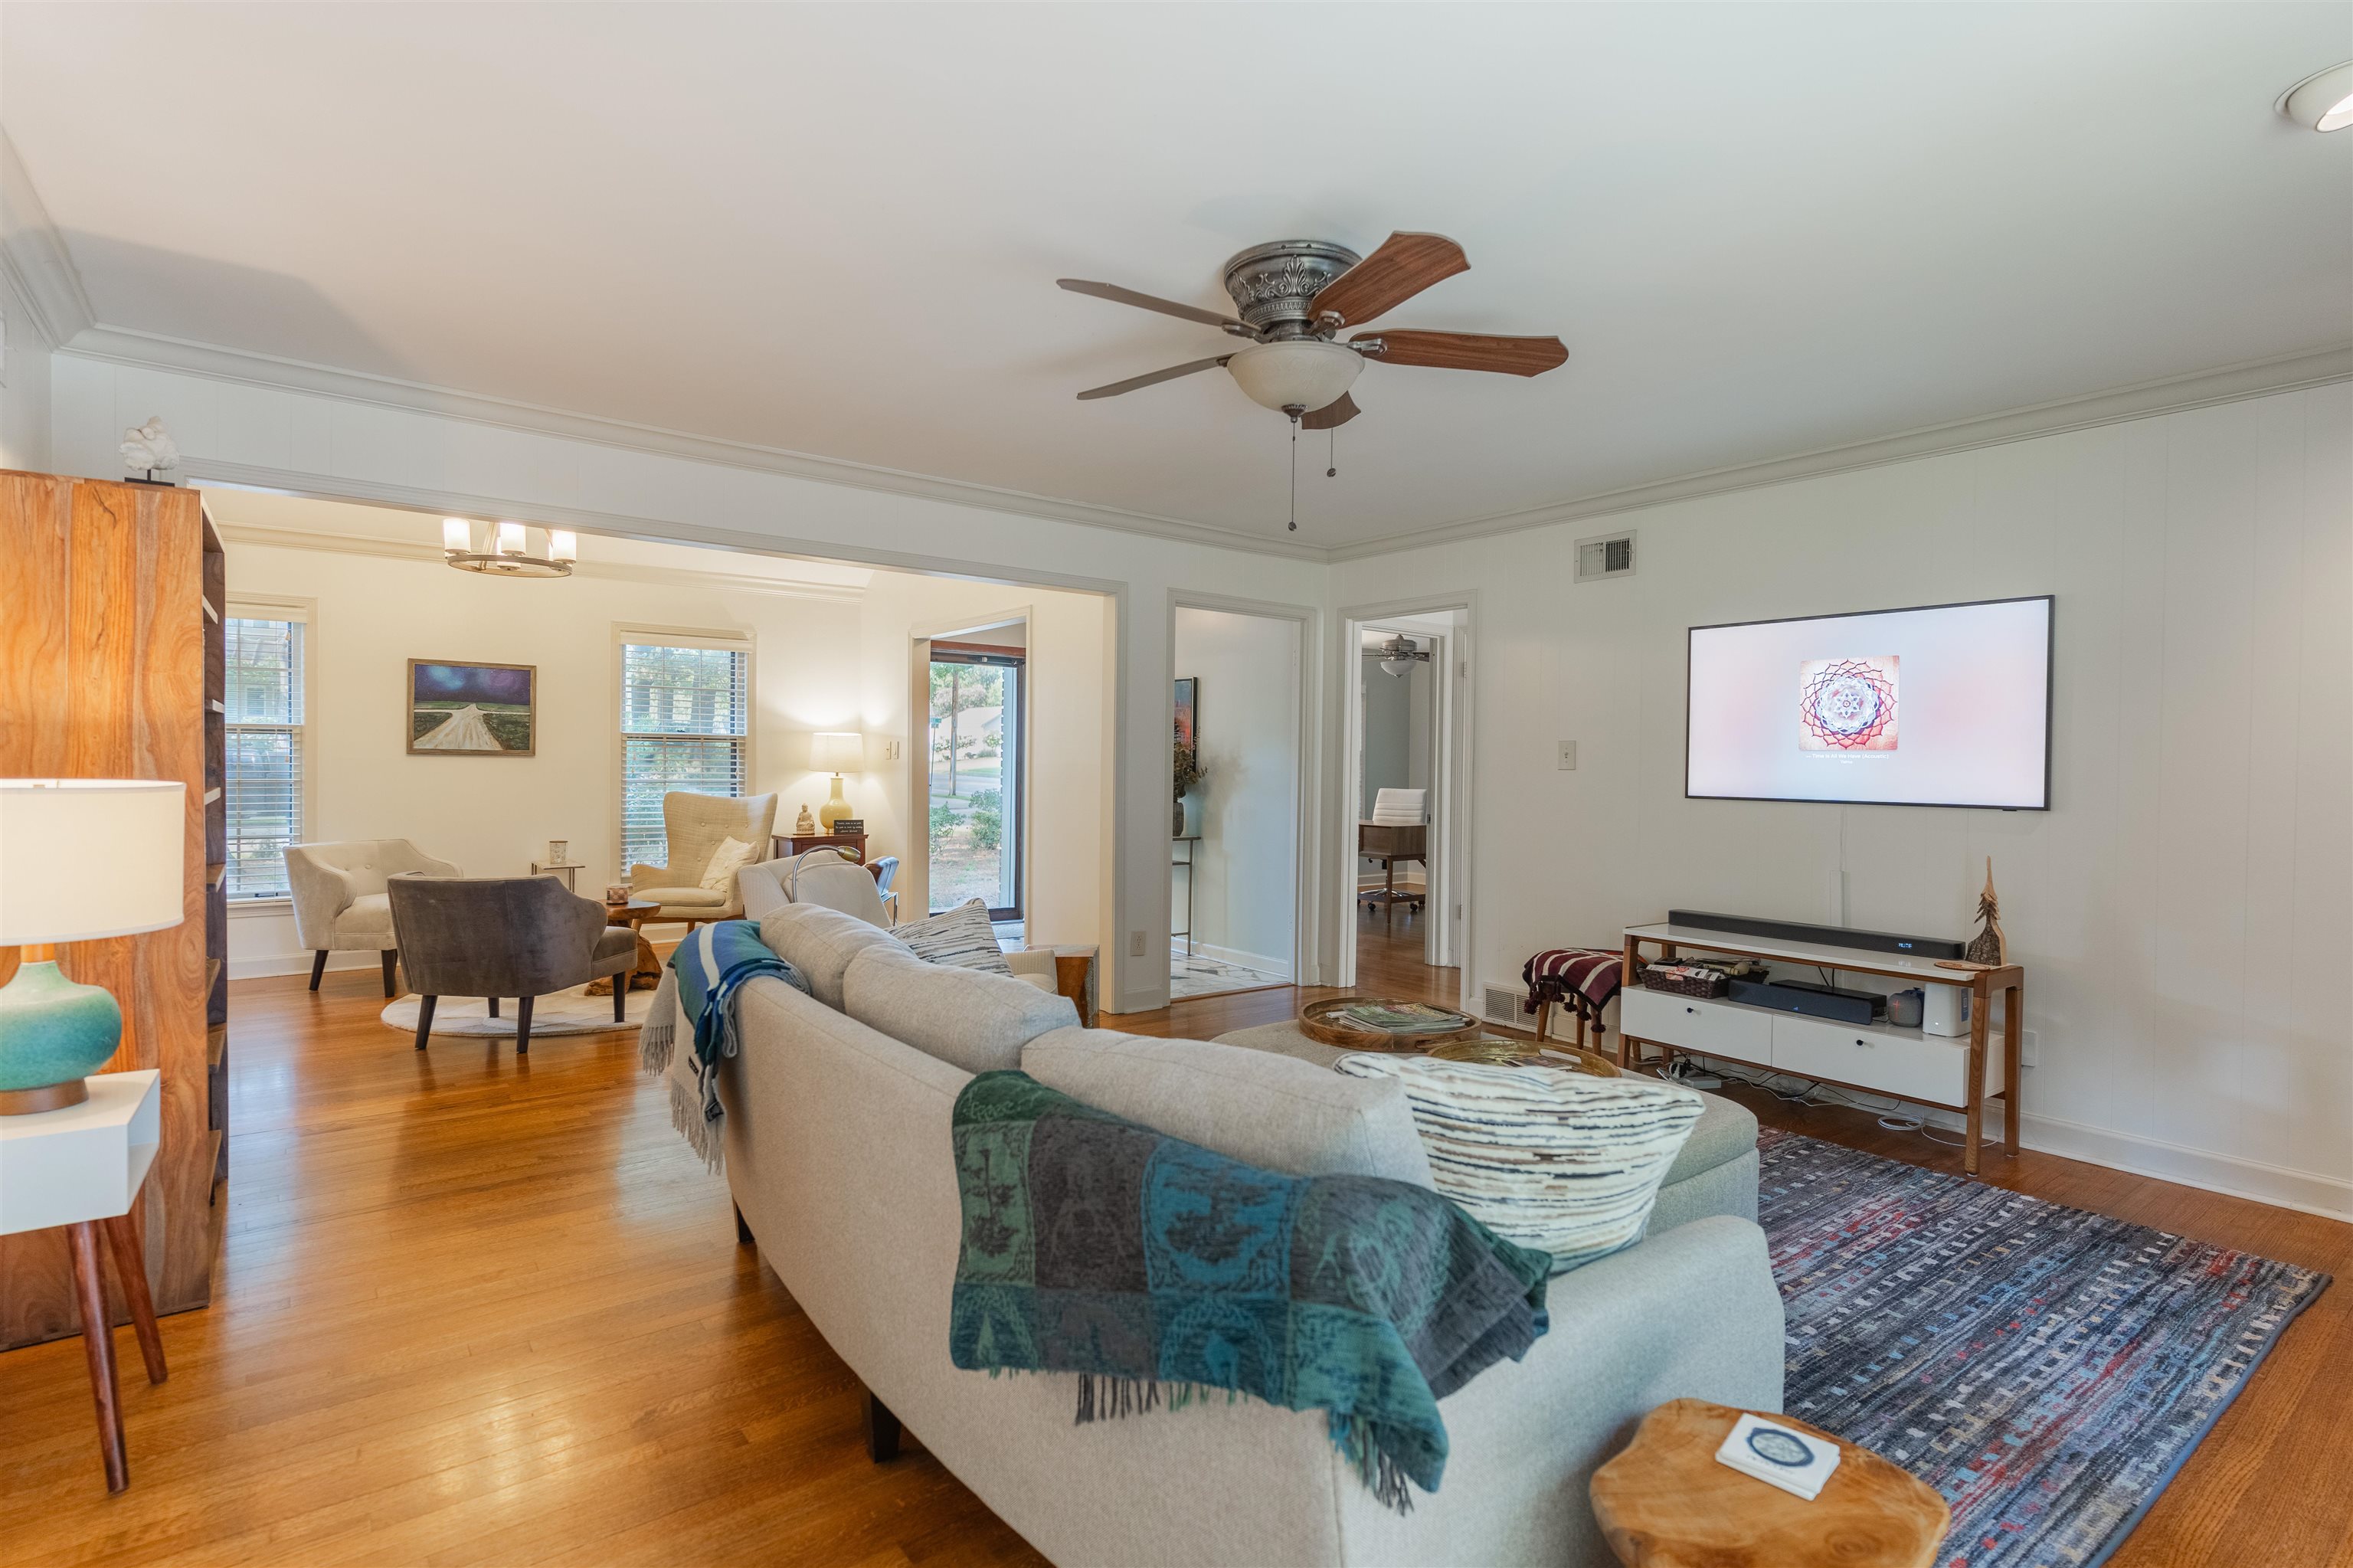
column 882, row 1431
column 130, row 1265
column 742, row 1231
column 1980, row 1004
column 98, row 1348
column 2013, row 1048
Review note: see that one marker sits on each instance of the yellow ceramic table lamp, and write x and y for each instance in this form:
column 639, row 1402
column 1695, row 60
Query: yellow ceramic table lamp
column 836, row 752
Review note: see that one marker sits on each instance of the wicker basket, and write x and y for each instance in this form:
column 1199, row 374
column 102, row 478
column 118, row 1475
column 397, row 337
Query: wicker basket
column 1684, row 985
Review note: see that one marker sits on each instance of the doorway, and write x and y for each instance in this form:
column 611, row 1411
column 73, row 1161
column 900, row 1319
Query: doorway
column 1410, row 718
column 977, row 757
column 1234, row 841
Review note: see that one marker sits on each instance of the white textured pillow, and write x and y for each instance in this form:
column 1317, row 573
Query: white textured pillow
column 960, row 938
column 1546, row 1158
column 731, row 856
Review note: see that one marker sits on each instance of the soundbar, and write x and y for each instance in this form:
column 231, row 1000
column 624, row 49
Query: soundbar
column 1814, row 1001
column 1823, row 936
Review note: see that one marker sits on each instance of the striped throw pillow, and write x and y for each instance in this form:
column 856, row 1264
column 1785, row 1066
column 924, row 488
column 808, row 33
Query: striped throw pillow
column 960, row 938
column 1542, row 1156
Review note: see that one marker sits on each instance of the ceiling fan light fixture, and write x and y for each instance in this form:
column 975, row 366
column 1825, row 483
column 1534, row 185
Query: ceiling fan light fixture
column 1296, row 374
column 2322, row 101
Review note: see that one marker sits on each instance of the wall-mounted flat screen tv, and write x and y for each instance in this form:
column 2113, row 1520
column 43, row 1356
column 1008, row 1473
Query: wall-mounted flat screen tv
column 1947, row 704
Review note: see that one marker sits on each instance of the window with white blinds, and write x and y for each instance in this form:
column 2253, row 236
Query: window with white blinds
column 686, row 724
column 263, row 790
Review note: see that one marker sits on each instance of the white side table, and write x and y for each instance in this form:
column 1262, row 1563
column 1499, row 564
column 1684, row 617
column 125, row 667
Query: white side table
column 82, row 1167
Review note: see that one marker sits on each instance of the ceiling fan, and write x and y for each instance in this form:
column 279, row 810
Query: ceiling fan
column 1295, row 297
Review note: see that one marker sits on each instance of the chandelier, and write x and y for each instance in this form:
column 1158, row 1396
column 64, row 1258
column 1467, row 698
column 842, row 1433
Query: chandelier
column 508, row 552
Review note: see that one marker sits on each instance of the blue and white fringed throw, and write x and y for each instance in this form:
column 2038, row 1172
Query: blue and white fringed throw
column 700, row 980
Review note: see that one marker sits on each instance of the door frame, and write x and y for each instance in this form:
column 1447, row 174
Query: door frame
column 1306, row 876
column 1455, row 714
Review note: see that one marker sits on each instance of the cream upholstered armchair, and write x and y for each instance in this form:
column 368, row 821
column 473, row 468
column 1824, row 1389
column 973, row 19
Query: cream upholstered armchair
column 695, row 826
column 339, row 898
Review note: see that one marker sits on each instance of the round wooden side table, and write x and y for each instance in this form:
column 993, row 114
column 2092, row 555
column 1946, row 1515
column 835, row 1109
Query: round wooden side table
column 1664, row 1502
column 634, row 913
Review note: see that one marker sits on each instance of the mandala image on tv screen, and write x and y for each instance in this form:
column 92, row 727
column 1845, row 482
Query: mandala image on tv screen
column 1847, row 704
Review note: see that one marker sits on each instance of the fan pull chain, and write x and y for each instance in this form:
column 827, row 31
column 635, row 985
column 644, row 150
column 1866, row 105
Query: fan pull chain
column 1294, row 472
column 1333, row 457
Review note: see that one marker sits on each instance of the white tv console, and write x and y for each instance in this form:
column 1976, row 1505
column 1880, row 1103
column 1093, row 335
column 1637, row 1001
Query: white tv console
column 1958, row 1073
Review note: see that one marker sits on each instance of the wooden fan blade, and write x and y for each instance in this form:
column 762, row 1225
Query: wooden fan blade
column 1467, row 351
column 1118, row 295
column 1331, row 415
column 1132, row 382
column 1403, row 267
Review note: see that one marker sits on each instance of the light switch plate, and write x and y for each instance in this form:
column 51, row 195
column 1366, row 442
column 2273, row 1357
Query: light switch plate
column 1136, row 944
column 1568, row 756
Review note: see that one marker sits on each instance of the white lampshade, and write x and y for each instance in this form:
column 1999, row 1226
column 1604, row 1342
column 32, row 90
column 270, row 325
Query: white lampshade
column 85, row 858
column 562, row 545
column 836, row 751
column 510, row 539
column 1302, row 375
column 457, row 535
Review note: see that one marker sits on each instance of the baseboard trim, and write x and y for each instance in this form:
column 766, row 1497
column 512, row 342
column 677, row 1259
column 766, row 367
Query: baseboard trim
column 262, row 966
column 2305, row 1192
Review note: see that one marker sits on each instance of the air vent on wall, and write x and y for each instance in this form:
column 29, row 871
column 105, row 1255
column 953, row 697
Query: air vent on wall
column 1607, row 556
column 1499, row 1004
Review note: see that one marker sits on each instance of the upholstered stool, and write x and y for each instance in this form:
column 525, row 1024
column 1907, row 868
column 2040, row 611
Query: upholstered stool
column 1581, row 978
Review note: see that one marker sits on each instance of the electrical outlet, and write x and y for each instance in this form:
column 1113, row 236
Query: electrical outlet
column 1136, row 944
column 891, row 750
column 2028, row 1040
column 1568, row 756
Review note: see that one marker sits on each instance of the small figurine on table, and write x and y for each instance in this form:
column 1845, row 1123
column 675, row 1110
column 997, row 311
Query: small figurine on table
column 805, row 825
column 1989, row 946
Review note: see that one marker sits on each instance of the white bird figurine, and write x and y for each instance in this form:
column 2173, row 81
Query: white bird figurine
column 146, row 446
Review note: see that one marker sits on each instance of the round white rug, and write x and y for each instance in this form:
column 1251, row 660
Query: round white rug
column 573, row 1012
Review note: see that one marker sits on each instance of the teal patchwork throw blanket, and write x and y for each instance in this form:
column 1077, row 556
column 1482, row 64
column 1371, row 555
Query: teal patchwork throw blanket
column 1157, row 1270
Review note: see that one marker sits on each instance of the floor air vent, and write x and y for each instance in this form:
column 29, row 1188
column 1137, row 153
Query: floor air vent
column 1499, row 1004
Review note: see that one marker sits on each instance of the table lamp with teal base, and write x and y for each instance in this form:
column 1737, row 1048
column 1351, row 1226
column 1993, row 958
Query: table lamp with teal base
column 80, row 859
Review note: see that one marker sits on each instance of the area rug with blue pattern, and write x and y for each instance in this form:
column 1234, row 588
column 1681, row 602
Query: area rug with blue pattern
column 2046, row 1368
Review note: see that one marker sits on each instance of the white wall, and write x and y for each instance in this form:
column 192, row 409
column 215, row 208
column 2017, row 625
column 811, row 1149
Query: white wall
column 454, row 453
column 1246, row 807
column 1070, row 639
column 23, row 388
column 494, row 815
column 2185, row 912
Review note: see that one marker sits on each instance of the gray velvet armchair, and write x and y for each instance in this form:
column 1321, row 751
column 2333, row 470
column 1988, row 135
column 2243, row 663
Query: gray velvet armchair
column 521, row 937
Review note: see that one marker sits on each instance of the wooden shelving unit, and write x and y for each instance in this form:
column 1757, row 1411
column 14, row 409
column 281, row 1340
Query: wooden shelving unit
column 215, row 710
column 125, row 679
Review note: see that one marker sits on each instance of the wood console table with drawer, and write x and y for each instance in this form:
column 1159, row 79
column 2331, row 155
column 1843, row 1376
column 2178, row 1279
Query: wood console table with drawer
column 1957, row 1073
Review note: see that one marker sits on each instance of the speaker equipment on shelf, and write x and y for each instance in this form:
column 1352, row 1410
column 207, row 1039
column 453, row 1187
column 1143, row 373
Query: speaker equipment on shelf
column 1904, row 1007
column 1814, row 1001
column 1821, row 936
column 1947, row 1011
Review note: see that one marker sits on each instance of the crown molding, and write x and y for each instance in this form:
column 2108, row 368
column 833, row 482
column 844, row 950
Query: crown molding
column 33, row 256
column 2253, row 378
column 616, row 571
column 123, row 345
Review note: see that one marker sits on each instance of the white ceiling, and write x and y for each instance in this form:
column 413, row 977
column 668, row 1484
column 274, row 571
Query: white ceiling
column 1761, row 230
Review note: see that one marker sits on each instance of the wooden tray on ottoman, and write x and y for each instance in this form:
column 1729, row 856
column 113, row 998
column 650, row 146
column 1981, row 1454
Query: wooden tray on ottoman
column 1325, row 1023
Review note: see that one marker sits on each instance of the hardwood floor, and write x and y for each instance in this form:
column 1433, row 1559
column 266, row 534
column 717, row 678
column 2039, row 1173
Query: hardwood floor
column 477, row 1309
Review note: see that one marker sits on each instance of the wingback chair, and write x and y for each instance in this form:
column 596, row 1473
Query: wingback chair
column 496, row 937
column 695, row 824
column 339, row 897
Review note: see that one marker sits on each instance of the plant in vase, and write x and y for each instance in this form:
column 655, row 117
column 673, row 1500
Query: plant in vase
column 1187, row 773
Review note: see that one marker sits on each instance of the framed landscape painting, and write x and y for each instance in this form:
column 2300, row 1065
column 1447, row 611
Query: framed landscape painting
column 483, row 710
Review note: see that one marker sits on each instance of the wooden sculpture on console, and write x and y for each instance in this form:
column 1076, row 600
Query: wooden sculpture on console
column 1989, row 946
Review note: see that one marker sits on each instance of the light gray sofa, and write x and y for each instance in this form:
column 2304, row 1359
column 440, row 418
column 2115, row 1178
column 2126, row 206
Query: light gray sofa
column 838, row 1154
